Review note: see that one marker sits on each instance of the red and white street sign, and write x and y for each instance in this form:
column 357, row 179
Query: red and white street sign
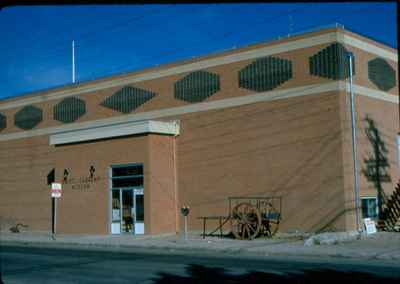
column 56, row 190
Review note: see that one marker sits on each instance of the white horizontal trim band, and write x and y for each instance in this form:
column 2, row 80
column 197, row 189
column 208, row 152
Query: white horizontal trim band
column 365, row 46
column 206, row 106
column 207, row 63
column 115, row 130
column 375, row 94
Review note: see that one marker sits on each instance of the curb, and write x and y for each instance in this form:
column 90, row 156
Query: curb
column 197, row 251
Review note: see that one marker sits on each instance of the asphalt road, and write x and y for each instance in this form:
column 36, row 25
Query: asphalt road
column 44, row 265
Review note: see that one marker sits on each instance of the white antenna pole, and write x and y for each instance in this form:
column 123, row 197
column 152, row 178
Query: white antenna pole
column 290, row 25
column 73, row 61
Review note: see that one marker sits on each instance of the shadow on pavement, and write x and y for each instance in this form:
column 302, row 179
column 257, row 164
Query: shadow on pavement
column 205, row 275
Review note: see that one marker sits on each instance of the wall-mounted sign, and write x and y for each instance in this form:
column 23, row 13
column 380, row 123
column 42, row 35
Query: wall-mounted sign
column 116, row 215
column 81, row 183
column 56, row 190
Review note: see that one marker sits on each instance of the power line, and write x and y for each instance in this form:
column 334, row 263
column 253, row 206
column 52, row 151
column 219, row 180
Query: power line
column 88, row 34
column 83, row 59
column 63, row 49
column 217, row 36
column 119, row 68
column 67, row 48
column 330, row 20
column 123, row 67
column 85, row 36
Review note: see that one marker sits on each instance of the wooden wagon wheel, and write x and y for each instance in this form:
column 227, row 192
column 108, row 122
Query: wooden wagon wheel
column 245, row 221
column 270, row 222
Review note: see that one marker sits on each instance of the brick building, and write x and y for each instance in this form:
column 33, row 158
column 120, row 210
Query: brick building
column 271, row 119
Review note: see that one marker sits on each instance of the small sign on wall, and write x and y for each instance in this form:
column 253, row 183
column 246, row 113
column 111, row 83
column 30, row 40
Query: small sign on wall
column 56, row 190
column 370, row 226
column 116, row 216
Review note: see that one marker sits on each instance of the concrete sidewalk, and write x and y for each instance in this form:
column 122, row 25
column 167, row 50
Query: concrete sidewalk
column 382, row 245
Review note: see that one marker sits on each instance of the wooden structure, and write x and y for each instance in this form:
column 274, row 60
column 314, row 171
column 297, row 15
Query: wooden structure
column 391, row 213
column 249, row 217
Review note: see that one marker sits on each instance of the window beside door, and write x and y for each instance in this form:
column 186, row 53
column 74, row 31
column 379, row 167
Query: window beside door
column 369, row 207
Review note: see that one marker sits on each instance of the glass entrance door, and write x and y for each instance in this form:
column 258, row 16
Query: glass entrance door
column 127, row 211
column 127, row 198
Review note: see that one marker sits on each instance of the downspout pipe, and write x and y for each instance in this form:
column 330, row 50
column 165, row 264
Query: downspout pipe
column 354, row 142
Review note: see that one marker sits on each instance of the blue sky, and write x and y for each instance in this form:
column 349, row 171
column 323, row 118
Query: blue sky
column 35, row 50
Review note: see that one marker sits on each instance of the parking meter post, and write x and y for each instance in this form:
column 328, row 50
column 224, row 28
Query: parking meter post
column 185, row 212
column 186, row 228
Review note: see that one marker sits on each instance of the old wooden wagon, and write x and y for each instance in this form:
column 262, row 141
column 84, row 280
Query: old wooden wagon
column 248, row 217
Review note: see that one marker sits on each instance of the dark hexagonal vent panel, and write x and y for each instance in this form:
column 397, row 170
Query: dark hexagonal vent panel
column 69, row 109
column 28, row 117
column 3, row 121
column 265, row 74
column 331, row 62
column 381, row 74
column 197, row 86
column 128, row 99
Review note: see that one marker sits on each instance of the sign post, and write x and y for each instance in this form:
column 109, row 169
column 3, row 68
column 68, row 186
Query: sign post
column 55, row 194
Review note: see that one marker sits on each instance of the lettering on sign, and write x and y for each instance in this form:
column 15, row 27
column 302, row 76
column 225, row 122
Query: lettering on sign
column 81, row 183
column 56, row 190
